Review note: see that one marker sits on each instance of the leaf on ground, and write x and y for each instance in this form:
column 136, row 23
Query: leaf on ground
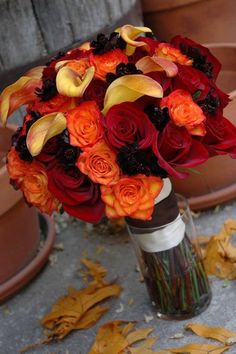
column 116, row 337
column 221, row 334
column 197, row 348
column 94, row 270
column 79, row 309
column 219, row 254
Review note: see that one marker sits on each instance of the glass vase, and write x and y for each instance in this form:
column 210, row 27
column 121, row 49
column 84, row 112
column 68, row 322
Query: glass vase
column 170, row 261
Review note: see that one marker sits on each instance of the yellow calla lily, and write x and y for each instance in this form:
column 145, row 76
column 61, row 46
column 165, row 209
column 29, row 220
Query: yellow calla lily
column 70, row 83
column 44, row 129
column 128, row 33
column 148, row 64
column 20, row 93
column 130, row 88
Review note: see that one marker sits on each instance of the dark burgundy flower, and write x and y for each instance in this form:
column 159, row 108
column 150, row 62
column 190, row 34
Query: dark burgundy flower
column 49, row 151
column 96, row 92
column 220, row 138
column 202, row 58
column 175, row 147
column 80, row 197
column 125, row 124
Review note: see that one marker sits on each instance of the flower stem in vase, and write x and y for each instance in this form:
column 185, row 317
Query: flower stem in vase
column 170, row 262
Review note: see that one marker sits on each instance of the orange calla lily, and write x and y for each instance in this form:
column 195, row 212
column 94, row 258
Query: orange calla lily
column 130, row 88
column 128, row 33
column 70, row 83
column 44, row 129
column 20, row 93
column 148, row 64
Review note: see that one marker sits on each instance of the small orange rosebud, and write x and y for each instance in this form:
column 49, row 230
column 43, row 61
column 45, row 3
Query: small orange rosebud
column 107, row 62
column 165, row 50
column 132, row 196
column 185, row 112
column 84, row 125
column 99, row 163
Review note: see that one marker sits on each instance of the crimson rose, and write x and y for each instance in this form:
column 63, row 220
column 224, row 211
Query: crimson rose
column 175, row 147
column 96, row 92
column 126, row 124
column 221, row 136
column 79, row 196
column 202, row 58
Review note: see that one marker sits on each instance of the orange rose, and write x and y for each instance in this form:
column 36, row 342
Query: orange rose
column 165, row 50
column 16, row 167
column 83, row 123
column 35, row 189
column 107, row 62
column 99, row 163
column 185, row 112
column 80, row 66
column 132, row 196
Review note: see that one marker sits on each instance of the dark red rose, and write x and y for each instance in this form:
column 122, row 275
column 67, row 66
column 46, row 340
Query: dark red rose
column 161, row 78
column 203, row 60
column 126, row 124
column 175, row 147
column 96, row 92
column 191, row 80
column 220, row 138
column 50, row 150
column 80, row 197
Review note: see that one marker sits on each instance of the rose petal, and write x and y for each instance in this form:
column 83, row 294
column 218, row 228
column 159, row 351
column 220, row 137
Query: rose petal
column 149, row 64
column 130, row 88
column 128, row 33
column 70, row 83
column 44, row 129
column 20, row 93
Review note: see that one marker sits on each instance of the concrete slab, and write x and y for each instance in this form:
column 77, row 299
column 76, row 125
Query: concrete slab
column 19, row 317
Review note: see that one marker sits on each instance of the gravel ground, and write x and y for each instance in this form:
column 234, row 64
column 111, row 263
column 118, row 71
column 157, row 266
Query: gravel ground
column 19, row 317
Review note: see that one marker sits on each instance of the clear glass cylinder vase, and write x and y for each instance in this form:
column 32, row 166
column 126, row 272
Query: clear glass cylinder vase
column 171, row 263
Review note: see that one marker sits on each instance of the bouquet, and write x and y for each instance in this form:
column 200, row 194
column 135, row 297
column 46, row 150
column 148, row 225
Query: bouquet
column 106, row 123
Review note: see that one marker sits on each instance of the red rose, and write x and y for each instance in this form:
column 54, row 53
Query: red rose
column 220, row 138
column 174, row 147
column 203, row 60
column 125, row 124
column 191, row 80
column 80, row 197
column 96, row 92
column 50, row 150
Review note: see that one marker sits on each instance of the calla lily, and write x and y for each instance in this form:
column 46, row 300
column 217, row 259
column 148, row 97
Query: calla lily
column 128, row 33
column 70, row 83
column 130, row 88
column 148, row 64
column 20, row 93
column 44, row 129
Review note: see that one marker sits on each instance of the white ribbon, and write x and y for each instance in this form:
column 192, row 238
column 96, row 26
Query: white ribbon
column 165, row 237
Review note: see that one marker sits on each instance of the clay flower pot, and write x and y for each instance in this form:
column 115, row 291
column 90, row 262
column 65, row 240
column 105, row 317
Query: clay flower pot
column 19, row 231
column 196, row 19
column 216, row 182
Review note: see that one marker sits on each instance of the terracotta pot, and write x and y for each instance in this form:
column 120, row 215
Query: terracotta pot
column 216, row 182
column 201, row 20
column 20, row 231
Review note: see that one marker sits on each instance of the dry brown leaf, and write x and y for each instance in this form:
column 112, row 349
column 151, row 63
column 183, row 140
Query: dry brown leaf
column 219, row 254
column 145, row 348
column 116, row 337
column 197, row 348
column 221, row 334
column 79, row 309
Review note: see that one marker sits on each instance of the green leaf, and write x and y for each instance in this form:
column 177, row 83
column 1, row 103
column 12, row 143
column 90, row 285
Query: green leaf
column 196, row 95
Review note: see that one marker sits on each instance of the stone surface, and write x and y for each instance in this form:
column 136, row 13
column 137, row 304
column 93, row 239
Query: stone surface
column 19, row 317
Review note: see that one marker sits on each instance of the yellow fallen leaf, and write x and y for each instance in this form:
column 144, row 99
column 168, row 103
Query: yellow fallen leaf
column 79, row 309
column 217, row 333
column 116, row 337
column 196, row 348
